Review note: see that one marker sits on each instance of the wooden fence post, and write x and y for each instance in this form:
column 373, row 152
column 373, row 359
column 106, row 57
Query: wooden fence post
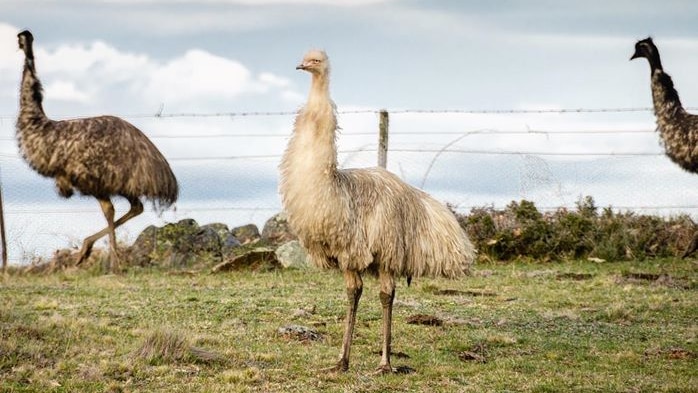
column 2, row 232
column 383, row 126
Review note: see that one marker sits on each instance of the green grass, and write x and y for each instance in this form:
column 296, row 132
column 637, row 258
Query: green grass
column 574, row 326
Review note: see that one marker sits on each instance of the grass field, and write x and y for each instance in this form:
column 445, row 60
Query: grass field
column 576, row 326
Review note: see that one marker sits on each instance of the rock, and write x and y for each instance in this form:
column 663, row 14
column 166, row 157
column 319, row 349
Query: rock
column 228, row 244
column 246, row 234
column 142, row 251
column 257, row 259
column 170, row 245
column 206, row 240
column 220, row 228
column 277, row 230
column 186, row 224
column 176, row 243
column 179, row 236
column 292, row 255
column 185, row 244
column 300, row 333
column 225, row 241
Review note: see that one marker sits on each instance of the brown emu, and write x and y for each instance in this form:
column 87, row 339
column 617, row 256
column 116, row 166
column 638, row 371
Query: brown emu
column 362, row 220
column 100, row 156
column 677, row 128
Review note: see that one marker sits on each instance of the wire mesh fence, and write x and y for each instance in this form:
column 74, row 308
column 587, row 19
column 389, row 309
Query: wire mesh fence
column 226, row 164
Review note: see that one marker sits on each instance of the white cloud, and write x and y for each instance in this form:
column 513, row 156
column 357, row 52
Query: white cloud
column 199, row 75
column 11, row 56
column 65, row 91
column 104, row 79
column 97, row 58
column 274, row 80
column 292, row 96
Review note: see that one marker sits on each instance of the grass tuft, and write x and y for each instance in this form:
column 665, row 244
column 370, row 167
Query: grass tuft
column 167, row 346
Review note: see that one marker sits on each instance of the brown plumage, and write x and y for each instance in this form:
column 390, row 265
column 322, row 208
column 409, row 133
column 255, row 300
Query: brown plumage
column 99, row 156
column 362, row 220
column 677, row 128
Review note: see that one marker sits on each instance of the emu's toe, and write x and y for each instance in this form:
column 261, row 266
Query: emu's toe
column 340, row 367
column 386, row 369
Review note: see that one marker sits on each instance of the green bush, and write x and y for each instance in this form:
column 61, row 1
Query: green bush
column 521, row 231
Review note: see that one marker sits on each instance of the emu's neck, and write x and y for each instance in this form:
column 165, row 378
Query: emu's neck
column 315, row 130
column 667, row 104
column 309, row 165
column 35, row 136
column 319, row 96
column 31, row 110
column 655, row 61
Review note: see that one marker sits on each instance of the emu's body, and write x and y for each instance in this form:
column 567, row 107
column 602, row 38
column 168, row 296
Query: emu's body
column 362, row 219
column 99, row 156
column 677, row 128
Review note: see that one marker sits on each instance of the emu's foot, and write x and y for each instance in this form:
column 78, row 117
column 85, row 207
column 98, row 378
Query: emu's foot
column 115, row 259
column 341, row 367
column 386, row 369
column 84, row 253
column 82, row 257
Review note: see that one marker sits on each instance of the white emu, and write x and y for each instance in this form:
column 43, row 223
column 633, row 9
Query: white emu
column 362, row 220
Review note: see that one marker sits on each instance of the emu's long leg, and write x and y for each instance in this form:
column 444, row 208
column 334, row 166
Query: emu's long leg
column 108, row 210
column 354, row 285
column 136, row 209
column 387, row 295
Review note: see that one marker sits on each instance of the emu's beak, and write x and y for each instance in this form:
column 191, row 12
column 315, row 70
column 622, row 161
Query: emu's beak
column 635, row 55
column 301, row 66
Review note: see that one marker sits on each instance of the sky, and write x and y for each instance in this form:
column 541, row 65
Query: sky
column 138, row 58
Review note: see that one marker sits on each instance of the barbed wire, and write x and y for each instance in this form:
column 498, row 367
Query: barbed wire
column 181, row 209
column 366, row 133
column 163, row 115
column 408, row 150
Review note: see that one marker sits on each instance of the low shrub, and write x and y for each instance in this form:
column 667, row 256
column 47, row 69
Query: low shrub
column 521, row 231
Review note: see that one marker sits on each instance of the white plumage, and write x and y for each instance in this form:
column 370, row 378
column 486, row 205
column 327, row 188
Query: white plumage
column 362, row 219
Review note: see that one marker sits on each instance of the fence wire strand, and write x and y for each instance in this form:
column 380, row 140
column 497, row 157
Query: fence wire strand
column 163, row 115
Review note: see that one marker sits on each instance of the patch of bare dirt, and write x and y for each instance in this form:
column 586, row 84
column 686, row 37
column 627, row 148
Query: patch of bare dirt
column 673, row 353
column 665, row 280
column 424, row 319
column 470, row 292
column 399, row 355
column 575, row 276
column 477, row 353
